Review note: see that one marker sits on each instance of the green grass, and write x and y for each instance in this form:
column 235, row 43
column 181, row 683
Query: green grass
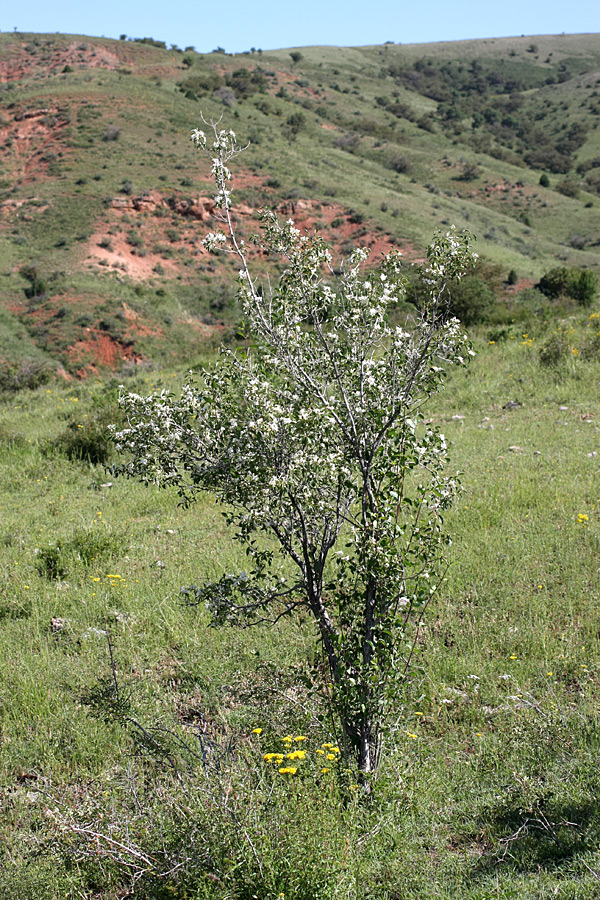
column 489, row 782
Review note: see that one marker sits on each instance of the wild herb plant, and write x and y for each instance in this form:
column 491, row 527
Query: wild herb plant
column 313, row 438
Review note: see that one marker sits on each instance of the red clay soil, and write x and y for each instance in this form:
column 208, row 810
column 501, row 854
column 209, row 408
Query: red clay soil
column 99, row 348
column 146, row 217
column 50, row 59
column 27, row 140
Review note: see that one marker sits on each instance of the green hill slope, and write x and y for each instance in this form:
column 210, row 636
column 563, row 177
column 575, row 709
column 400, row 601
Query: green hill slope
column 103, row 204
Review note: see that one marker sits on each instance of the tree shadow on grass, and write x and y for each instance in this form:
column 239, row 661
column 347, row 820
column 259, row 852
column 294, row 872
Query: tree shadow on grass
column 548, row 835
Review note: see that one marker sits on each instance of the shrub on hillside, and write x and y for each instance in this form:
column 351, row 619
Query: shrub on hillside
column 25, row 374
column 579, row 284
column 470, row 299
column 568, row 188
column 112, row 133
column 37, row 283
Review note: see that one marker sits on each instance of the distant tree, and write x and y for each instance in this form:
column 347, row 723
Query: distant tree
column 470, row 171
column 544, row 180
column 585, row 287
column 296, row 56
column 294, row 124
column 512, row 277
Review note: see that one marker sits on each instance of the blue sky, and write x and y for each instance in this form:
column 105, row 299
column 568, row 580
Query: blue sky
column 237, row 25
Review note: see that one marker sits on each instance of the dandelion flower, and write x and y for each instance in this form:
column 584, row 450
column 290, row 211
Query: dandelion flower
column 257, row 731
column 301, row 737
column 288, row 770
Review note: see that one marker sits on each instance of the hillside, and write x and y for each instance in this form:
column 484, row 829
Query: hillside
column 103, row 203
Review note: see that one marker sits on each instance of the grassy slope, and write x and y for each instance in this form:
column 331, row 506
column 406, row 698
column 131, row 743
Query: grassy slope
column 58, row 167
column 497, row 733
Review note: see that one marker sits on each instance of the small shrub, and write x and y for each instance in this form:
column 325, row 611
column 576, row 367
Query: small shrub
column 568, row 188
column 555, row 350
column 86, row 547
column 37, row 283
column 112, row 133
column 50, row 562
column 26, row 374
column 88, row 439
column 470, row 299
column 294, row 124
column 226, row 95
column 470, row 171
column 399, row 163
column 348, row 141
column 544, row 180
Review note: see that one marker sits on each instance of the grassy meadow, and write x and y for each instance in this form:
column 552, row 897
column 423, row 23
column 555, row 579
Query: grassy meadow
column 125, row 718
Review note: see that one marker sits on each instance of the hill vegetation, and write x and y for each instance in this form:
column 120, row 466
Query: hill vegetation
column 102, row 205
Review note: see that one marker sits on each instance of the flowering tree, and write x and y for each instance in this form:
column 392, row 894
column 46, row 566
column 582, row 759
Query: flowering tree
column 313, row 439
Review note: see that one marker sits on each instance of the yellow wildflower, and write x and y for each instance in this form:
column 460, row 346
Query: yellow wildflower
column 296, row 754
column 288, row 770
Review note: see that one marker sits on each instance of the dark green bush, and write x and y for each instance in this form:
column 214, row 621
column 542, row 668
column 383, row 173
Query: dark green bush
column 25, row 374
column 37, row 283
column 470, row 299
column 568, row 188
column 579, row 284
